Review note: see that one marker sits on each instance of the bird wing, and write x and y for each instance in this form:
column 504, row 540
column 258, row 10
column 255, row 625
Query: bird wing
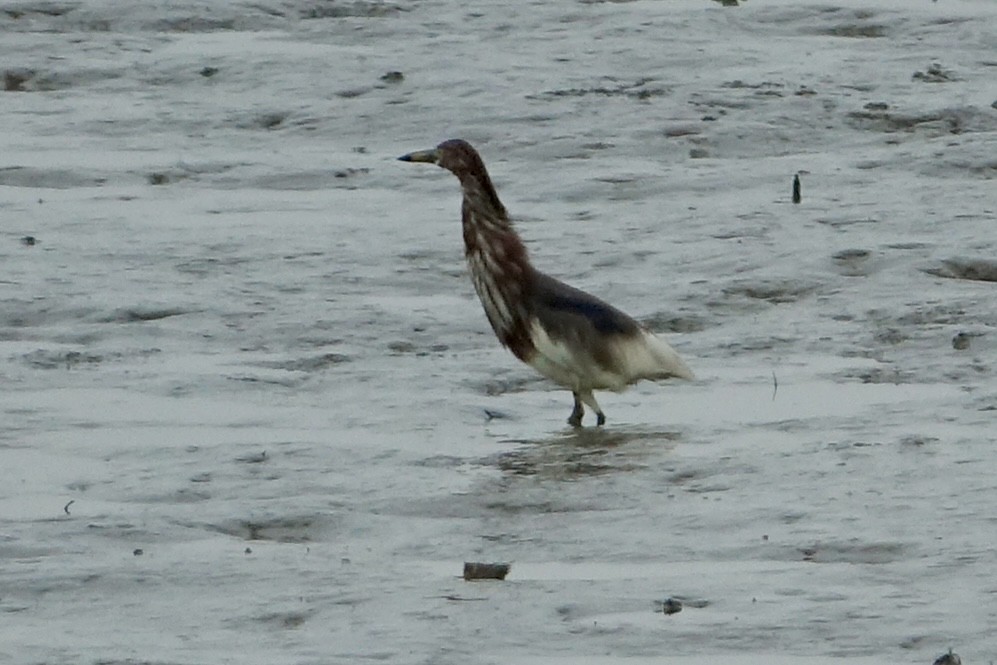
column 564, row 305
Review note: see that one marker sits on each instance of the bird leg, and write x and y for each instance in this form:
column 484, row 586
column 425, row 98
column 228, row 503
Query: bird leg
column 575, row 419
column 589, row 399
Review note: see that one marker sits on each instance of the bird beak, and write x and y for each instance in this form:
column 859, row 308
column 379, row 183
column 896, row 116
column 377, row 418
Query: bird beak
column 430, row 156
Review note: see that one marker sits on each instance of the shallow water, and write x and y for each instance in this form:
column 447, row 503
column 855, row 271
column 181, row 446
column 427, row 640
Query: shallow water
column 252, row 411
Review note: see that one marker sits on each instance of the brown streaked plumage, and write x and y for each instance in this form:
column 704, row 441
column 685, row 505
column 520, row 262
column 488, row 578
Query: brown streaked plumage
column 569, row 336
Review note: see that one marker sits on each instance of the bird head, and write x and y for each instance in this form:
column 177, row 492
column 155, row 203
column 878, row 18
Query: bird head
column 455, row 155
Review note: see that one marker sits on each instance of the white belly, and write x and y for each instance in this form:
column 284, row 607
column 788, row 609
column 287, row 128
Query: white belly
column 632, row 358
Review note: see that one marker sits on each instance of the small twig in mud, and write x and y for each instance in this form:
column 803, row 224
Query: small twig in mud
column 485, row 571
column 797, row 197
column 66, row 507
column 460, row 598
column 775, row 385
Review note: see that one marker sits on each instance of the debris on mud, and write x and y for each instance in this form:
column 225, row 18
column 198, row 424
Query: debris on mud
column 485, row 571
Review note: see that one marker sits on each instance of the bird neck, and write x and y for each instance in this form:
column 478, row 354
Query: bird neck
column 478, row 189
column 487, row 228
column 498, row 263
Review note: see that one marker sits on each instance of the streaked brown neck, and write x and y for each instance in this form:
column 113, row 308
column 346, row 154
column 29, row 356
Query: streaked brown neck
column 498, row 261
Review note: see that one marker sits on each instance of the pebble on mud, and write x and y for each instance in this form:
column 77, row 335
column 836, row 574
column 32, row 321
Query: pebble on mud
column 14, row 79
column 948, row 659
column 485, row 571
column 960, row 342
column 494, row 414
column 671, row 606
column 934, row 74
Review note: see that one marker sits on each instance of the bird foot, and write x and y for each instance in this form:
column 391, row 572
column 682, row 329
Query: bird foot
column 575, row 419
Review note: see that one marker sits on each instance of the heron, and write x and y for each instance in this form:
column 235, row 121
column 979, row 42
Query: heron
column 574, row 339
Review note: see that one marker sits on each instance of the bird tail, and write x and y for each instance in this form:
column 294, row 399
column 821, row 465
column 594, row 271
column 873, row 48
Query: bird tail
column 668, row 362
column 645, row 356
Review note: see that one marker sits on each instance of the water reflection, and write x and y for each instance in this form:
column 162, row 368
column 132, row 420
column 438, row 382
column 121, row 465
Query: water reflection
column 578, row 453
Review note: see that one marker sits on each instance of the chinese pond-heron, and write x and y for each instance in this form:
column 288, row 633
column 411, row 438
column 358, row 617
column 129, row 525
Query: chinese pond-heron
column 569, row 336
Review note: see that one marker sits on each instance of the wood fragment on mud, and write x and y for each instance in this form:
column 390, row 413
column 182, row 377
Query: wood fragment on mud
column 485, row 571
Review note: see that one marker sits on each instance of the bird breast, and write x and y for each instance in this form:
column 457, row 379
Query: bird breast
column 501, row 274
column 488, row 283
column 499, row 289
